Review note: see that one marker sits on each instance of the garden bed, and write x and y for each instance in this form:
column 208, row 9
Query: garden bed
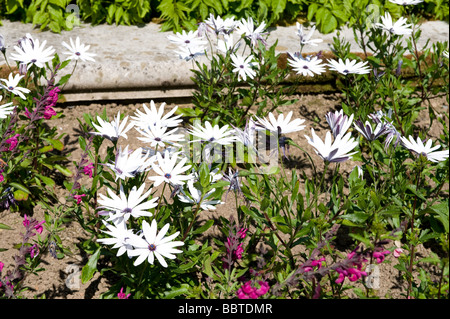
column 60, row 279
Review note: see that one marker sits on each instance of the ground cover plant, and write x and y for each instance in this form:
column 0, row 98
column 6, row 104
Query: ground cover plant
column 142, row 206
column 58, row 15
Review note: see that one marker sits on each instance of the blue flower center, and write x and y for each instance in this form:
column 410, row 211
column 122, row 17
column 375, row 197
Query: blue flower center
column 168, row 176
column 152, row 247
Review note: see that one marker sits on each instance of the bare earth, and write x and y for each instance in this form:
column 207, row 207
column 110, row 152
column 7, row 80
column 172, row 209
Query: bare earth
column 60, row 280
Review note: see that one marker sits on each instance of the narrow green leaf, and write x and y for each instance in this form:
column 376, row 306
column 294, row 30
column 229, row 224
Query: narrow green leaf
column 90, row 268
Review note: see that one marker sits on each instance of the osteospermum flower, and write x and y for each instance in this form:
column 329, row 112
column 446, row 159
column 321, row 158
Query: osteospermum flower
column 426, row 150
column 212, row 134
column 195, row 197
column 30, row 52
column 5, row 109
column 154, row 244
column 78, row 50
column 398, row 28
column 168, row 170
column 12, row 83
column 128, row 164
column 112, row 130
column 243, row 66
column 329, row 151
column 306, row 38
column 187, row 39
column 349, row 66
column 306, row 66
column 247, row 28
column 339, row 122
column 219, row 25
column 159, row 136
column 368, row 131
column 156, row 117
column 406, row 2
column 121, row 207
column 280, row 125
column 227, row 44
column 190, row 52
column 119, row 237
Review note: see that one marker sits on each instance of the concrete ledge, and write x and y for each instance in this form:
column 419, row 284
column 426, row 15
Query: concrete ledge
column 139, row 62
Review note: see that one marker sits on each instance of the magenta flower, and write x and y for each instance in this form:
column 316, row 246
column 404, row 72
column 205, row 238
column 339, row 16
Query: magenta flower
column 89, row 169
column 121, row 294
column 247, row 291
column 49, row 112
column 79, row 198
column 34, row 251
column 397, row 252
column 1, row 266
column 242, row 233
column 2, row 178
column 36, row 225
column 353, row 274
column 379, row 255
column 12, row 141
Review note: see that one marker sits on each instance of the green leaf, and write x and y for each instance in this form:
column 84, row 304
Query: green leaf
column 57, row 144
column 20, row 195
column 3, row 226
column 47, row 180
column 91, row 267
column 20, row 187
column 64, row 170
column 176, row 291
column 204, row 228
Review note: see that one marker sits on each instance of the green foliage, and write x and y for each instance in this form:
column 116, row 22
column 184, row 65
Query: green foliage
column 176, row 15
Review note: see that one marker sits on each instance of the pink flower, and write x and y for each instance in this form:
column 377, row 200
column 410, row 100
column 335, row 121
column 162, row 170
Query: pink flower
column 12, row 141
column 2, row 178
column 34, row 251
column 121, row 294
column 89, row 169
column 79, row 198
column 26, row 222
column 242, row 233
column 1, row 266
column 39, row 227
column 247, row 291
column 379, row 255
column 397, row 252
column 27, row 113
column 49, row 112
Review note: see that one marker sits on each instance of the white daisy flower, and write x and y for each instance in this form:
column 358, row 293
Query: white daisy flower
column 337, row 151
column 112, row 130
column 159, row 136
column 281, row 125
column 306, row 66
column 128, row 164
column 31, row 52
column 121, row 208
column 306, row 39
column 169, row 170
column 398, row 28
column 120, row 237
column 5, row 109
column 247, row 28
column 227, row 44
column 426, row 150
column 220, row 26
column 78, row 50
column 349, row 66
column 155, row 117
column 339, row 122
column 154, row 244
column 406, row 2
column 195, row 196
column 187, row 39
column 369, row 132
column 11, row 85
column 212, row 134
column 190, row 52
column 243, row 66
